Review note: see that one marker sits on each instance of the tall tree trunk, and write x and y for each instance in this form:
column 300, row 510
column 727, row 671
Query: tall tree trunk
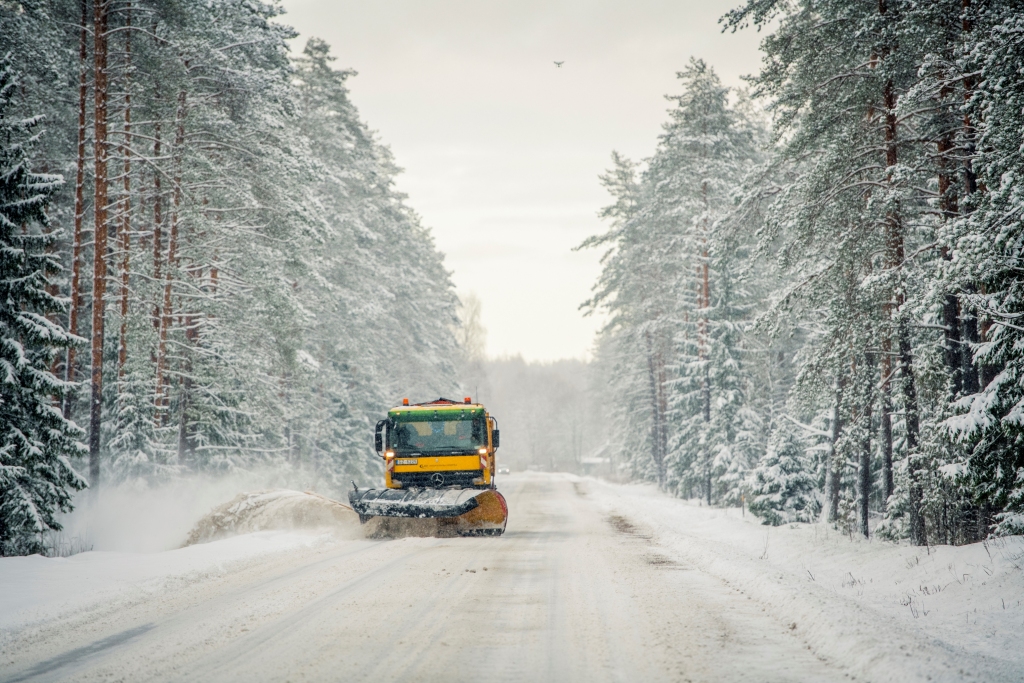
column 652, row 378
column 888, row 483
column 186, row 425
column 895, row 256
column 969, row 370
column 186, row 440
column 663, row 411
column 126, row 206
column 833, row 471
column 894, row 243
column 703, row 341
column 954, row 347
column 76, row 248
column 163, row 390
column 969, row 322
column 158, row 245
column 864, row 472
column 917, row 526
column 99, row 284
column 158, row 222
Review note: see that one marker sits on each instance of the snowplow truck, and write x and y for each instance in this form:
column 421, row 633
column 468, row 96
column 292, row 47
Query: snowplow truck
column 438, row 472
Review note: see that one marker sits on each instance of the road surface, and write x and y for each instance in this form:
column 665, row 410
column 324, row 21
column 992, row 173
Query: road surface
column 569, row 593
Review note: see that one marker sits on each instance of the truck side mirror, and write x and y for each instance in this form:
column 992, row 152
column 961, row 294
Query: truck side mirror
column 494, row 438
column 378, row 436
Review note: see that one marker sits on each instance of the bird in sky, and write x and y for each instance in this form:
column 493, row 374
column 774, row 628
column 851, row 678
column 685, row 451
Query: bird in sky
column 559, row 64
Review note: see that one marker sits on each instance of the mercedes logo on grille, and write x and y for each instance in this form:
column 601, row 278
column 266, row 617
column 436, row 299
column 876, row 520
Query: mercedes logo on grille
column 437, row 479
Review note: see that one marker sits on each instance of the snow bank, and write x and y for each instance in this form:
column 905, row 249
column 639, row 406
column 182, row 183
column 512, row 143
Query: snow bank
column 36, row 588
column 136, row 517
column 276, row 509
column 259, row 524
column 886, row 612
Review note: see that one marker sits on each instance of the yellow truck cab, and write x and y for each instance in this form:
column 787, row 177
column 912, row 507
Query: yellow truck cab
column 438, row 473
column 437, row 445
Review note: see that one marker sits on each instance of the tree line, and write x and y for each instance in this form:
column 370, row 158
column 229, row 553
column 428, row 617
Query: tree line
column 814, row 284
column 205, row 263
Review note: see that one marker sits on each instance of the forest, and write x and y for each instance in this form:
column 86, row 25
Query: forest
column 814, row 284
column 205, row 264
column 812, row 287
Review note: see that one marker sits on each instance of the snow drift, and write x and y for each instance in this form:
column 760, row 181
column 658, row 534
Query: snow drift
column 277, row 509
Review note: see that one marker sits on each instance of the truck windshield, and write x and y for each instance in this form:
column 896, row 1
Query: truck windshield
column 438, row 437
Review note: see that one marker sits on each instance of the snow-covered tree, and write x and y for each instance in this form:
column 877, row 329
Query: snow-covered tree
column 257, row 250
column 784, row 488
column 673, row 281
column 988, row 250
column 36, row 442
column 373, row 273
column 836, row 73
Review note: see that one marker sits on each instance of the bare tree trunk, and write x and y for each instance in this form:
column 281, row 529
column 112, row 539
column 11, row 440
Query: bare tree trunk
column 163, row 392
column 158, row 222
column 888, row 484
column 864, row 463
column 969, row 322
column 918, row 532
column 76, row 248
column 186, row 440
column 126, row 206
column 864, row 474
column 895, row 256
column 99, row 284
column 663, row 412
column 969, row 370
column 948, row 205
column 833, row 471
column 704, row 299
column 652, row 377
column 970, row 133
column 158, row 245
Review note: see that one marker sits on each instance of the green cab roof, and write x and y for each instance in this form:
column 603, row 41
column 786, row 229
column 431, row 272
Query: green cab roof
column 428, row 413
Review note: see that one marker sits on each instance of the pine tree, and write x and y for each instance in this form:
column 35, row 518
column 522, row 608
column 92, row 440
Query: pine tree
column 700, row 159
column 634, row 288
column 36, row 477
column 837, row 73
column 257, row 249
column 783, row 489
column 989, row 246
column 672, row 282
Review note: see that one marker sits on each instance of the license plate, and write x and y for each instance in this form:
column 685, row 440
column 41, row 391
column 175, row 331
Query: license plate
column 407, row 461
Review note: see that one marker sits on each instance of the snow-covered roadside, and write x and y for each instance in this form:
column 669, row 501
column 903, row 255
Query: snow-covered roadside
column 37, row 588
column 885, row 612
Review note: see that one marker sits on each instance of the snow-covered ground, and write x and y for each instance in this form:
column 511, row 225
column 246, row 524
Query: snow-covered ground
column 37, row 589
column 592, row 581
column 885, row 611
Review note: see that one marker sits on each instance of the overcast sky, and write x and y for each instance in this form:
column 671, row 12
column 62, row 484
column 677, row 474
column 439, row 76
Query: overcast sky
column 502, row 149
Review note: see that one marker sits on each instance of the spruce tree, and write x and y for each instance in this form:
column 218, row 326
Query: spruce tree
column 989, row 248
column 784, row 489
column 36, row 442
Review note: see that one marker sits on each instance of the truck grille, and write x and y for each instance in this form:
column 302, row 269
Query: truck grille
column 431, row 479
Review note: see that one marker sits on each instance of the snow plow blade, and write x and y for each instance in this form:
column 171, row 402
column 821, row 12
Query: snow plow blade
column 430, row 512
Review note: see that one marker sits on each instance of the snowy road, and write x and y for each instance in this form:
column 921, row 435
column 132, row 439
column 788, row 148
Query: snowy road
column 569, row 593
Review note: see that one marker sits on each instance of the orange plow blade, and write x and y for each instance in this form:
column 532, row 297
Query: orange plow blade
column 430, row 512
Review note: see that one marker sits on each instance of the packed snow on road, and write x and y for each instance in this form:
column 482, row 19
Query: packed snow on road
column 591, row 581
